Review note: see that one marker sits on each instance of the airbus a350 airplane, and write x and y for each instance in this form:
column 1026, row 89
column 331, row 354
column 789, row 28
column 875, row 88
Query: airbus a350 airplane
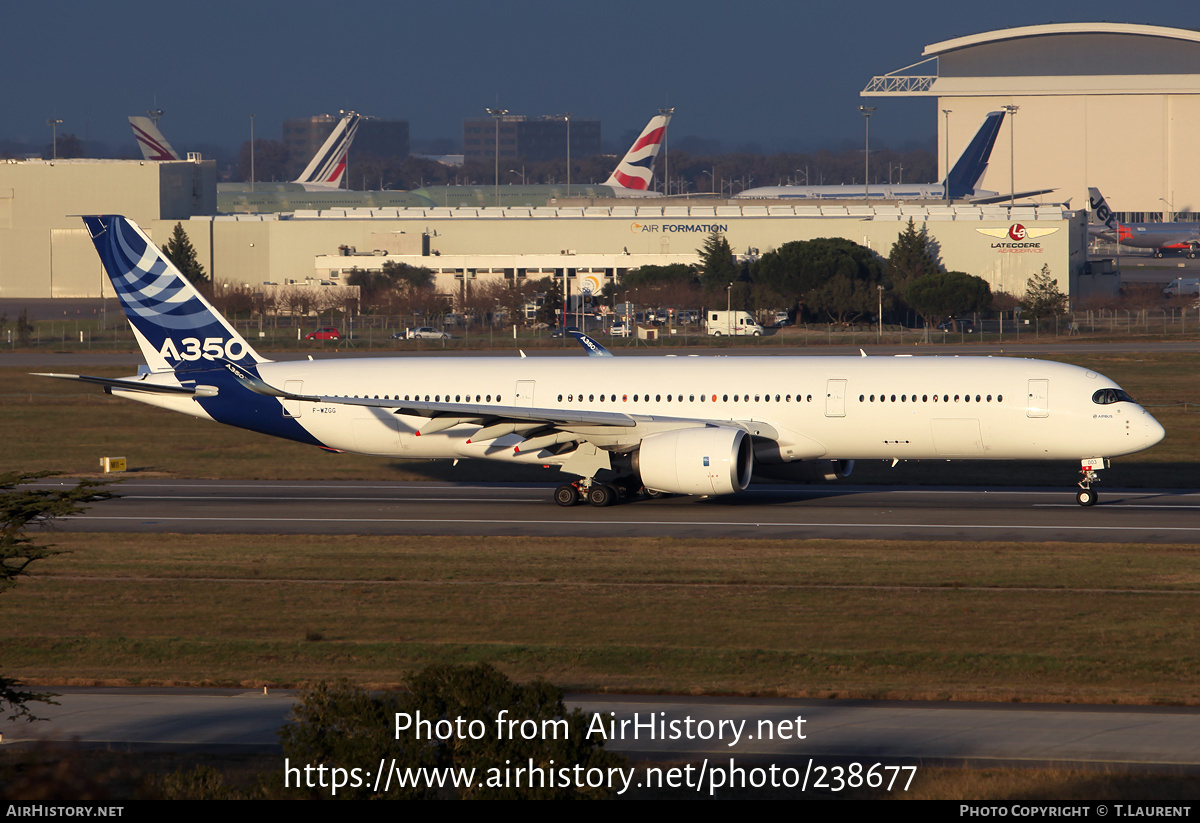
column 1157, row 236
column 962, row 181
column 684, row 425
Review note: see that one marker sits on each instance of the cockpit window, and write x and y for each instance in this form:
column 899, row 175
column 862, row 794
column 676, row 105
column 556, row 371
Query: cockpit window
column 1106, row 396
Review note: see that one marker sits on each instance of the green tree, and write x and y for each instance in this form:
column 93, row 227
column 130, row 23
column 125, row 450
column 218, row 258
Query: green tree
column 342, row 723
column 829, row 276
column 21, row 504
column 913, row 255
column 717, row 266
column 552, row 304
column 182, row 253
column 1042, row 297
column 24, row 328
column 940, row 295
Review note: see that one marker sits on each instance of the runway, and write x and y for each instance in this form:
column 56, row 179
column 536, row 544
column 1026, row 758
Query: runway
column 846, row 512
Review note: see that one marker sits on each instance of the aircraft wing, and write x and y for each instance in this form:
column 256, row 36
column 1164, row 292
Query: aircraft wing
column 540, row 427
column 139, row 385
column 1003, row 198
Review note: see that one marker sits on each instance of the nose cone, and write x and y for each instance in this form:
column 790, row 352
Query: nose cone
column 1151, row 430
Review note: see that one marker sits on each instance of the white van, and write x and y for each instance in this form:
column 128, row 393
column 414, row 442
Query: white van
column 731, row 323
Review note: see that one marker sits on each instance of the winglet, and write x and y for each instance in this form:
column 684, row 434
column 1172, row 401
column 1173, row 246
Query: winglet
column 593, row 348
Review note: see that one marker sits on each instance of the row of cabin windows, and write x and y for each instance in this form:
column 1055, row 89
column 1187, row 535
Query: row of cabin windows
column 691, row 398
column 925, row 398
column 437, row 398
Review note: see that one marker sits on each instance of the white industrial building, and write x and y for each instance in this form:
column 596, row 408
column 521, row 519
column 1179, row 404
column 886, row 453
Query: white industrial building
column 45, row 251
column 1112, row 105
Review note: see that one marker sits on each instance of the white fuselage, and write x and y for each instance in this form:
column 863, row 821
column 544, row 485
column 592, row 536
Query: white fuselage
column 813, row 407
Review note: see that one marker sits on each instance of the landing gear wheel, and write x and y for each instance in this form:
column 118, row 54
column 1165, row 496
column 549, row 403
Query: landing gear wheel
column 566, row 495
column 1086, row 497
column 601, row 495
column 651, row 494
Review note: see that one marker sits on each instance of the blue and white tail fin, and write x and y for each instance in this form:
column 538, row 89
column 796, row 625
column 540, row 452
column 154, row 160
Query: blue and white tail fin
column 175, row 326
column 327, row 169
column 963, row 179
column 636, row 169
column 151, row 141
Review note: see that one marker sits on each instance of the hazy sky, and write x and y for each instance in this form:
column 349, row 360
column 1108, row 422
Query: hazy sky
column 771, row 73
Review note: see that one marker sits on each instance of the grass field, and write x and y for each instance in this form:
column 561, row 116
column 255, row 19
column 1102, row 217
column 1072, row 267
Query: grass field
column 1043, row 622
column 67, row 427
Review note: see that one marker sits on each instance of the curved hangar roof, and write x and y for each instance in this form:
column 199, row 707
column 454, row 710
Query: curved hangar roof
column 1079, row 58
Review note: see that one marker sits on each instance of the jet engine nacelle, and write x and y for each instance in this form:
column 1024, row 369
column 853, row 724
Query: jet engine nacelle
column 807, row 471
column 709, row 460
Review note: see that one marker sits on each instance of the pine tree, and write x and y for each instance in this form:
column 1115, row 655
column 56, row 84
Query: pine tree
column 182, row 253
column 717, row 269
column 913, row 255
column 1042, row 297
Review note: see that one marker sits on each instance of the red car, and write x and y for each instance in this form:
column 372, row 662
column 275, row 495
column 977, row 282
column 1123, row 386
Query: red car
column 324, row 333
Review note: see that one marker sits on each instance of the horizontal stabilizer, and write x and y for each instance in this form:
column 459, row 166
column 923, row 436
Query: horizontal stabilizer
column 135, row 385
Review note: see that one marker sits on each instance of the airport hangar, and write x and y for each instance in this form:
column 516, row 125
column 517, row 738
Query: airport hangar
column 1111, row 105
column 45, row 251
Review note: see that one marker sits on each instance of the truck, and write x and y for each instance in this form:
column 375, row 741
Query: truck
column 1183, row 286
column 731, row 323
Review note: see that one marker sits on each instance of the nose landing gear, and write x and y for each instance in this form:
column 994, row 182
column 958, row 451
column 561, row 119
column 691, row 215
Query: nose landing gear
column 1087, row 496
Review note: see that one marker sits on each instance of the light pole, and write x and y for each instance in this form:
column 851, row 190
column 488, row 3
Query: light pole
column 252, row 152
column 867, row 111
column 567, row 117
column 666, row 153
column 947, row 177
column 497, row 114
column 880, row 312
column 728, row 308
column 53, row 123
column 1012, row 176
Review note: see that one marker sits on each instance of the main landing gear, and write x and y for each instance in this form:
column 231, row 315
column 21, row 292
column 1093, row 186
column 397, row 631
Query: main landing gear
column 1087, row 496
column 599, row 494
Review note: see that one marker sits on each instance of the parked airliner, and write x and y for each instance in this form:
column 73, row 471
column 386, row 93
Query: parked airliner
column 961, row 183
column 1158, row 236
column 683, row 425
column 326, row 170
column 631, row 178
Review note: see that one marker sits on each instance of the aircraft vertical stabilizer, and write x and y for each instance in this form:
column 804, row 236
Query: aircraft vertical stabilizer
column 636, row 169
column 964, row 178
column 327, row 169
column 151, row 141
column 172, row 321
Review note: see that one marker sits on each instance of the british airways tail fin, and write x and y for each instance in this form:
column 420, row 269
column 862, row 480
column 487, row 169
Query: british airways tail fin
column 174, row 325
column 151, row 141
column 964, row 178
column 327, row 169
column 636, row 169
